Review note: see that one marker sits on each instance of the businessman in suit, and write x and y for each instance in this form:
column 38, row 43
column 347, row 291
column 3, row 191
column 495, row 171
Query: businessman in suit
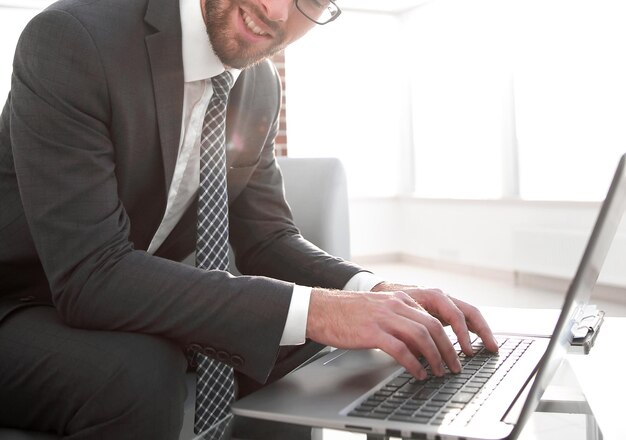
column 99, row 144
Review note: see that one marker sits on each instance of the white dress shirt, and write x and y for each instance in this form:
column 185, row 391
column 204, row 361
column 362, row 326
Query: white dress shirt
column 200, row 64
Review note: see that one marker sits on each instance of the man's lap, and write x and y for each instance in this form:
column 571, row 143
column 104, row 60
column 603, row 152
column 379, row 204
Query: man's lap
column 80, row 382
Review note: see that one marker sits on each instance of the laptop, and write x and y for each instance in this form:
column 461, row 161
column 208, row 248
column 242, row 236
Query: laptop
column 493, row 396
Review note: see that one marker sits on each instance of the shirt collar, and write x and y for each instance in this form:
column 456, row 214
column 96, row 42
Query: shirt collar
column 199, row 60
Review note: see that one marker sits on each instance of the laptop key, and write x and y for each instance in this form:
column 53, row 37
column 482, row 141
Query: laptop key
column 442, row 397
column 412, row 388
column 390, row 405
column 383, row 393
column 397, row 382
column 462, row 397
column 435, row 404
column 471, row 389
column 425, row 393
column 452, row 388
column 477, row 381
column 358, row 413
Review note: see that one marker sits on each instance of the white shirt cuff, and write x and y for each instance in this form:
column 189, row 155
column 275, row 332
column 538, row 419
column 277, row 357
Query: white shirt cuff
column 363, row 282
column 295, row 326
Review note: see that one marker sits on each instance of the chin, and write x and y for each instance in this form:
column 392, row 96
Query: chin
column 242, row 59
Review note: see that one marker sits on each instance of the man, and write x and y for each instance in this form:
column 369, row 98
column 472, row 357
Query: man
column 100, row 152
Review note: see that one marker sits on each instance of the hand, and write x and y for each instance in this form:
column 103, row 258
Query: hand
column 460, row 315
column 391, row 321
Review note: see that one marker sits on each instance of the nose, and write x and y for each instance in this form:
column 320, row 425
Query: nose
column 277, row 10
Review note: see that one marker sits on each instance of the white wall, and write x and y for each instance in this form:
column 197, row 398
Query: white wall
column 543, row 238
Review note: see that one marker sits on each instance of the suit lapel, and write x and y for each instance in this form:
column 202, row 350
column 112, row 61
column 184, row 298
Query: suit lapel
column 166, row 61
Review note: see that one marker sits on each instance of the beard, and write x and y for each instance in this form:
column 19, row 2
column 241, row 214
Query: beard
column 231, row 48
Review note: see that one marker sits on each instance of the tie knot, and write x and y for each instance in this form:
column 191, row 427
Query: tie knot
column 222, row 84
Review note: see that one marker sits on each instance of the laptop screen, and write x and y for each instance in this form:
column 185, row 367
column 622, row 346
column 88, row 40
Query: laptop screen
column 580, row 289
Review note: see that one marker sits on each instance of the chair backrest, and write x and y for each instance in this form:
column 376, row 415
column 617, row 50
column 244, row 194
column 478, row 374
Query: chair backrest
column 317, row 193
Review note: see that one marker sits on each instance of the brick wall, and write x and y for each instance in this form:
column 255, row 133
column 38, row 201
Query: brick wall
column 281, row 139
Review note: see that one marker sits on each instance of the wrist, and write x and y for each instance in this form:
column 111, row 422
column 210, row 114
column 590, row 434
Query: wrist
column 318, row 302
column 327, row 309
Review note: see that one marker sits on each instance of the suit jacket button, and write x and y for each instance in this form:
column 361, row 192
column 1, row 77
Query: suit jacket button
column 191, row 351
column 223, row 356
column 27, row 298
column 237, row 361
column 193, row 348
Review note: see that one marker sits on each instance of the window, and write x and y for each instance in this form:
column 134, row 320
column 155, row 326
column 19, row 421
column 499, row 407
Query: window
column 493, row 98
column 570, row 93
column 517, row 98
column 459, row 67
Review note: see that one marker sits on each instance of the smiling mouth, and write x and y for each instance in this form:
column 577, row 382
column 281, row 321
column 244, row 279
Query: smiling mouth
column 252, row 26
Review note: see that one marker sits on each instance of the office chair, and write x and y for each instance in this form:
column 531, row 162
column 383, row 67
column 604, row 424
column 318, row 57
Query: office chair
column 316, row 191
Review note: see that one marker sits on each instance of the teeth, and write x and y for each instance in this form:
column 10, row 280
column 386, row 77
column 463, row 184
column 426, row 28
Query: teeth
column 252, row 25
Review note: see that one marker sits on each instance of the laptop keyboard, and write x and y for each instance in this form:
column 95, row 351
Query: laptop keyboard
column 453, row 398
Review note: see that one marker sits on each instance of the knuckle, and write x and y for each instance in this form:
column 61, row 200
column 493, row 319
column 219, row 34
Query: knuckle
column 396, row 302
column 422, row 332
column 433, row 325
column 457, row 316
column 394, row 344
column 472, row 310
column 401, row 296
column 480, row 327
column 395, row 347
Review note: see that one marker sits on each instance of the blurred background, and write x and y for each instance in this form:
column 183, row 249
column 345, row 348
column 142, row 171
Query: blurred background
column 478, row 137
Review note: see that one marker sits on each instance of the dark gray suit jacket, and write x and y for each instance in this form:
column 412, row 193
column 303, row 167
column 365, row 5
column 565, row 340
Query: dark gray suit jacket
column 88, row 145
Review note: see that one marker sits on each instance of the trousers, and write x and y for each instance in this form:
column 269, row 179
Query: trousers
column 87, row 385
column 84, row 384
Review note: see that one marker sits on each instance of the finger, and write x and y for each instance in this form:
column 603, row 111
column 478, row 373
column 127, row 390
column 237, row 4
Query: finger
column 417, row 337
column 444, row 345
column 447, row 310
column 402, row 354
column 477, row 324
column 425, row 334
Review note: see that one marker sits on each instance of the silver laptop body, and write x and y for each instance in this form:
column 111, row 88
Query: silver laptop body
column 330, row 391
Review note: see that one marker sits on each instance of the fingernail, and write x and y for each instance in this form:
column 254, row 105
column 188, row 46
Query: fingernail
column 458, row 366
column 422, row 375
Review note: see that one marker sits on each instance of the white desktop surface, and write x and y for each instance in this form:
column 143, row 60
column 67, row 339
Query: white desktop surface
column 595, row 375
column 600, row 377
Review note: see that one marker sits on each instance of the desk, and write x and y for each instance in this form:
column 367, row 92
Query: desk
column 580, row 386
column 582, row 380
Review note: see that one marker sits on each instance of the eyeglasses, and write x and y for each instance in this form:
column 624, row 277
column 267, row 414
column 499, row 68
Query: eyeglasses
column 318, row 11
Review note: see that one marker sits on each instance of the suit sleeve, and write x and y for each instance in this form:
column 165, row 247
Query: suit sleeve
column 262, row 232
column 65, row 166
